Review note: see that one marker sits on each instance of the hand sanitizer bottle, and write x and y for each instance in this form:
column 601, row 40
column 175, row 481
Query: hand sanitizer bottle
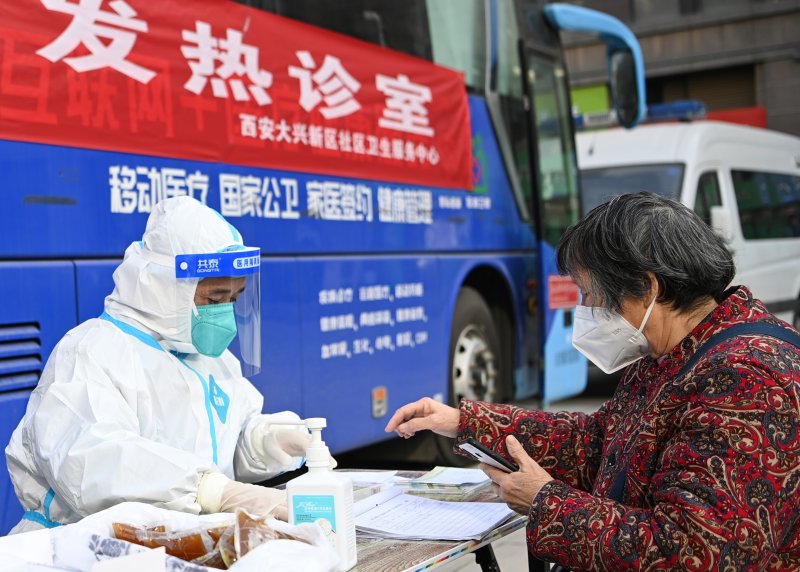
column 324, row 497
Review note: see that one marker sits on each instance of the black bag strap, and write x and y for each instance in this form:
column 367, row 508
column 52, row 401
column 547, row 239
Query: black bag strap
column 748, row 328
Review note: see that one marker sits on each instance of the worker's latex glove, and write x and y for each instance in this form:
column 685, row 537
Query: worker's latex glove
column 283, row 443
column 278, row 443
column 218, row 493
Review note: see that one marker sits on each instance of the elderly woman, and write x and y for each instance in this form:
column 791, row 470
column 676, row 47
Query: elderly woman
column 694, row 463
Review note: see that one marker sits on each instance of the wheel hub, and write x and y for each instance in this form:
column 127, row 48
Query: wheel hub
column 474, row 367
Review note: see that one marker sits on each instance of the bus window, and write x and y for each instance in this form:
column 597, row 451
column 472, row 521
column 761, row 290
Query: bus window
column 707, row 195
column 401, row 26
column 508, row 85
column 458, row 38
column 555, row 147
column 451, row 33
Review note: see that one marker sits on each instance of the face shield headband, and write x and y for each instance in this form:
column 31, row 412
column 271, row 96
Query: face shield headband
column 227, row 307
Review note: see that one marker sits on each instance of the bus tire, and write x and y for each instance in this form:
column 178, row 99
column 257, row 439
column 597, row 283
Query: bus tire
column 476, row 360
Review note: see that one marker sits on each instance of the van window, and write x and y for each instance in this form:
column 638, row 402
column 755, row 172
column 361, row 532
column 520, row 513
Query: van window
column 707, row 195
column 769, row 204
column 601, row 185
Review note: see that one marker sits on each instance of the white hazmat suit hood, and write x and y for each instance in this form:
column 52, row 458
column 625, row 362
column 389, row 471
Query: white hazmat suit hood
column 146, row 293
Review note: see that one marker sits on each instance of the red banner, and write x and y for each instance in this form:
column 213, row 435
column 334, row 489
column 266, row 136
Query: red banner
column 217, row 81
column 562, row 292
column 753, row 116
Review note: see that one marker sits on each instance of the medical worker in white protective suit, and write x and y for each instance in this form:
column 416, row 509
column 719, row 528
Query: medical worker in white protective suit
column 146, row 403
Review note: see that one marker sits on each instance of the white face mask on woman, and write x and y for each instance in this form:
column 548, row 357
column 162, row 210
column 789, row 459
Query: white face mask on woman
column 607, row 339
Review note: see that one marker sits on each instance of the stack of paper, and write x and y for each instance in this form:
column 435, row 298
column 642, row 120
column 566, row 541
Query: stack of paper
column 453, row 476
column 447, row 483
column 394, row 514
column 369, row 477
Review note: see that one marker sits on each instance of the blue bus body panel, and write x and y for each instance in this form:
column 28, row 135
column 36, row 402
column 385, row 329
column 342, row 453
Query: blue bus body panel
column 39, row 309
column 12, row 408
column 566, row 372
column 345, row 363
column 95, row 281
column 370, row 323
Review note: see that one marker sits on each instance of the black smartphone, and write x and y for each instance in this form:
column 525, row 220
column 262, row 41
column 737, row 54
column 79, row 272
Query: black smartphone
column 484, row 454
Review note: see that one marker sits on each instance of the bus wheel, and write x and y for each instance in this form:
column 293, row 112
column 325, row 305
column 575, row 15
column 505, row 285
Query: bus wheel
column 475, row 356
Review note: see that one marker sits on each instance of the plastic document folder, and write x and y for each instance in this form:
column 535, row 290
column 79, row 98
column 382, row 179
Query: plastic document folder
column 394, row 514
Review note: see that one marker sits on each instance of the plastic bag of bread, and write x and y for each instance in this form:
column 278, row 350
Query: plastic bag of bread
column 196, row 543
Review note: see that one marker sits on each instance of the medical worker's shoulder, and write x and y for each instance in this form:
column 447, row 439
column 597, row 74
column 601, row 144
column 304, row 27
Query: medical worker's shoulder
column 97, row 339
column 89, row 351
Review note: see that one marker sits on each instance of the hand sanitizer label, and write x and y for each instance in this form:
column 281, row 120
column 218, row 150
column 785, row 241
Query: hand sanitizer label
column 311, row 508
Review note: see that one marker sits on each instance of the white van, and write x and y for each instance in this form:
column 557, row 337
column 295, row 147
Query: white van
column 743, row 181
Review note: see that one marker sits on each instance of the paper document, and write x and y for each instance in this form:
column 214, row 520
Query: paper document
column 453, row 476
column 394, row 514
column 369, row 476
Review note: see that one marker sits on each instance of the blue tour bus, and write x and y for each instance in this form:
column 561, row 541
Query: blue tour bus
column 358, row 318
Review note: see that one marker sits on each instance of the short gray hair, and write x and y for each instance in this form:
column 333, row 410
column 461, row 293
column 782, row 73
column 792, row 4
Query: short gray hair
column 618, row 243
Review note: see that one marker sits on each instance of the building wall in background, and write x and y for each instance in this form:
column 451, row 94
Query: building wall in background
column 728, row 53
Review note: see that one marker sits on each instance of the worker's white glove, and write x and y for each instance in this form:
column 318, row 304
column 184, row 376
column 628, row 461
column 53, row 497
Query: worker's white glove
column 218, row 493
column 277, row 443
column 283, row 443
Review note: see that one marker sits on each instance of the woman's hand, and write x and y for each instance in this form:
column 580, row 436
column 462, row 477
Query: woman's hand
column 424, row 414
column 518, row 489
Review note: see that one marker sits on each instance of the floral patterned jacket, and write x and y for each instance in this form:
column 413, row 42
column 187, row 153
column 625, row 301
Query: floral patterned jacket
column 712, row 458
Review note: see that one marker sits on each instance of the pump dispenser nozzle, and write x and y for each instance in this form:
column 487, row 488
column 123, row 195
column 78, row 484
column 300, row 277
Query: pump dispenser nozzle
column 317, row 455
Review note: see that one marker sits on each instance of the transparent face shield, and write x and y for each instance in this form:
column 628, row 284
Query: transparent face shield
column 227, row 304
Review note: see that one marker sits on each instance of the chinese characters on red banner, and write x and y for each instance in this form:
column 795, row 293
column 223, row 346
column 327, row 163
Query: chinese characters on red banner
column 217, row 81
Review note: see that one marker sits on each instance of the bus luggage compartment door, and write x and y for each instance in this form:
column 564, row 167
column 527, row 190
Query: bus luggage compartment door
column 39, row 310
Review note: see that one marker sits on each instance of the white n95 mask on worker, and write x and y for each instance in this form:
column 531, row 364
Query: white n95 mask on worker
column 607, row 339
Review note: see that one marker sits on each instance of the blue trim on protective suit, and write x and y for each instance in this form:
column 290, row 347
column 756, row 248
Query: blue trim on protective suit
column 39, row 518
column 212, row 429
column 48, row 499
column 131, row 331
column 43, row 519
